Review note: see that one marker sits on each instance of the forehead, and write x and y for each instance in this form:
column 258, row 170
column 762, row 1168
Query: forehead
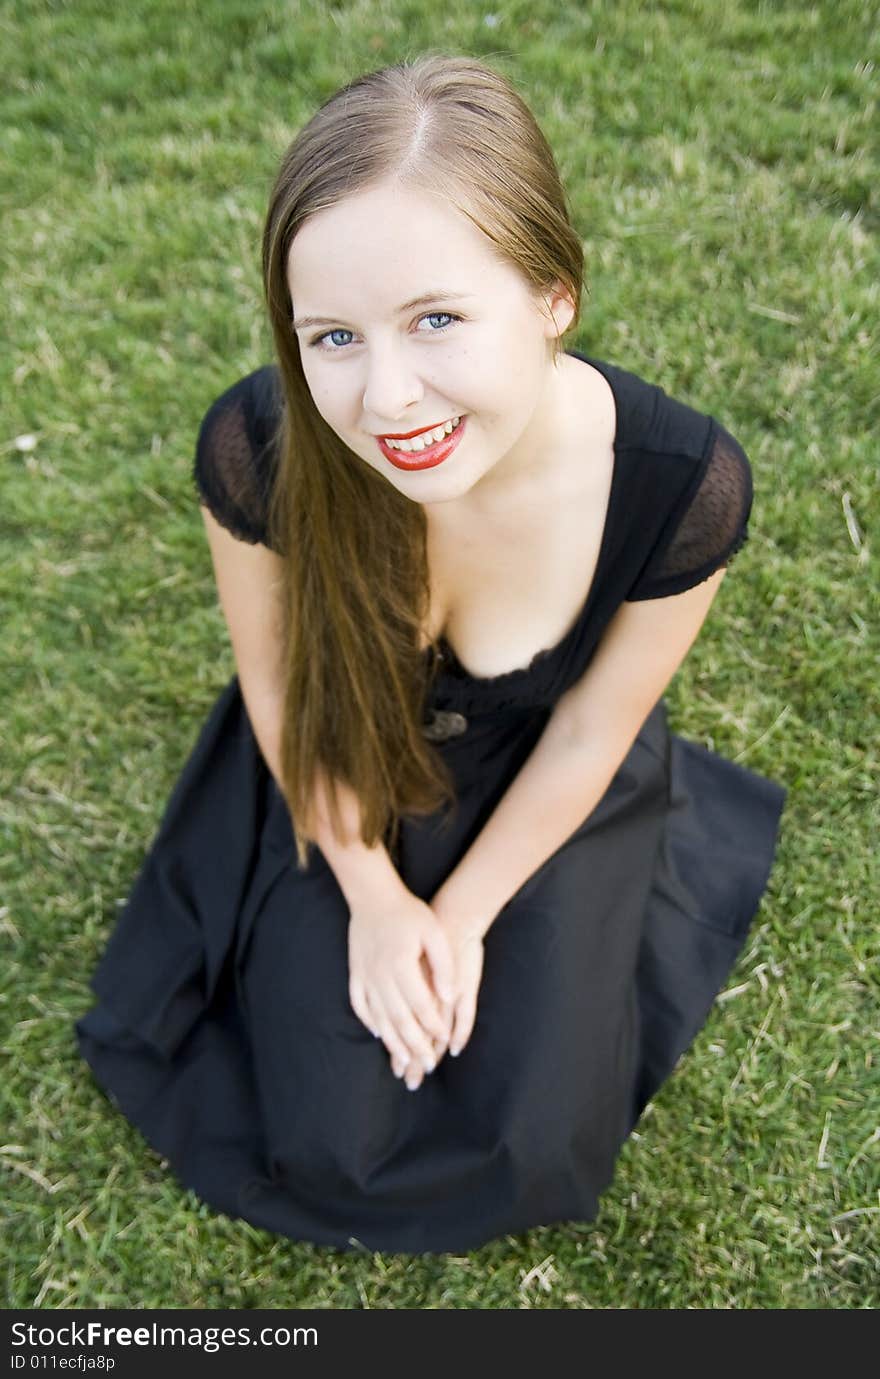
column 389, row 241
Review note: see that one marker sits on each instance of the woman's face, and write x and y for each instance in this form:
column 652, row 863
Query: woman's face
column 474, row 345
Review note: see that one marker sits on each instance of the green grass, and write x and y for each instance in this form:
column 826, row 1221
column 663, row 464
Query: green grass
column 720, row 162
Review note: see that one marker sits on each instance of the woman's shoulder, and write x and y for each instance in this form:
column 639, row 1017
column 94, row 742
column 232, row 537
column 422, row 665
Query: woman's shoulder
column 649, row 418
column 255, row 396
column 236, row 452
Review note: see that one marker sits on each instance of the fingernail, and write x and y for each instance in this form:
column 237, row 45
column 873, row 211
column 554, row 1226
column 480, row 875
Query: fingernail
column 455, row 1051
column 411, row 1085
column 428, row 1065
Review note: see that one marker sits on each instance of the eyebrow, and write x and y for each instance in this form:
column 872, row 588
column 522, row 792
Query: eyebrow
column 301, row 322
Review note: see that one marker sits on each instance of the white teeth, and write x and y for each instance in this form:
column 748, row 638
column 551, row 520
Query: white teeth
column 412, row 447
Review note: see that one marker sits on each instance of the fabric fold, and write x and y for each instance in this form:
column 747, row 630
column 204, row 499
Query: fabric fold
column 713, row 864
column 162, row 965
column 224, row 1030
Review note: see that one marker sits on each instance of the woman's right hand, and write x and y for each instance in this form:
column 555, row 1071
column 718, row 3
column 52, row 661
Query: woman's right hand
column 401, row 976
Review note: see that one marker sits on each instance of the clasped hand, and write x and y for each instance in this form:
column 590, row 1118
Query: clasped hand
column 414, row 975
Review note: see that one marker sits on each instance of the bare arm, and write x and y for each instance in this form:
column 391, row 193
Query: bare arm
column 362, row 872
column 586, row 738
column 248, row 579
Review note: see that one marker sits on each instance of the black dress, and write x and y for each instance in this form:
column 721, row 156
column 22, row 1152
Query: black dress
column 222, row 1027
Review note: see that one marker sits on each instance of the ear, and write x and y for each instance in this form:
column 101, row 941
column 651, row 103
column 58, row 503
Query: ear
column 560, row 310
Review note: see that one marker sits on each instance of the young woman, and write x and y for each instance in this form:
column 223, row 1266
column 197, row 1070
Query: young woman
column 438, row 900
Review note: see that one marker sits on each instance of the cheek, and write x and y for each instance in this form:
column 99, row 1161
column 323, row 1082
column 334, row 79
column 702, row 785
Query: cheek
column 488, row 389
column 325, row 397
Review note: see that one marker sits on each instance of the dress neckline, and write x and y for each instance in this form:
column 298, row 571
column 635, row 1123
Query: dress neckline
column 449, row 662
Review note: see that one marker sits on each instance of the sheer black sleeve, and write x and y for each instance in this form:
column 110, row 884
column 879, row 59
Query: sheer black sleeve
column 235, row 456
column 709, row 527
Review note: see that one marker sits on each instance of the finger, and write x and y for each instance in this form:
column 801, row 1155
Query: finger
column 442, row 961
column 444, row 1008
column 434, row 1019
column 360, row 1005
column 371, row 1022
column 411, row 1072
column 414, row 1076
column 398, row 1050
column 409, row 1031
column 463, row 1024
column 447, row 1012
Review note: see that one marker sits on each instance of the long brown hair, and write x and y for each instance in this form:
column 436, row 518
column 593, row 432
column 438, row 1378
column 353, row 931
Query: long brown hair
column 356, row 591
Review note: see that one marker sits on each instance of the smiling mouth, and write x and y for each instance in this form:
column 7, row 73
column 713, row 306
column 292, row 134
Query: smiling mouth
column 413, row 442
column 427, row 456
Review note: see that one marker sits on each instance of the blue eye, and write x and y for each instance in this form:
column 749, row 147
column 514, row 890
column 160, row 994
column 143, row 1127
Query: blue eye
column 318, row 342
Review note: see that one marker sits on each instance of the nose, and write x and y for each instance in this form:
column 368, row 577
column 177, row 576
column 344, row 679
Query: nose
column 392, row 384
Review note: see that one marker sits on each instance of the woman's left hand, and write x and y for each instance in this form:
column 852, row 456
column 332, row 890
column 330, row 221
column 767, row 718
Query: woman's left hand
column 468, row 952
column 466, row 938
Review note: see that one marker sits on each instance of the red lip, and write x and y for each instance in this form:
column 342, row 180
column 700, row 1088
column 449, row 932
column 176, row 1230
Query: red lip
column 428, row 458
column 408, row 435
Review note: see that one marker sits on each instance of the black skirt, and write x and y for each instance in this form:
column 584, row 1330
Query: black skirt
column 223, row 1030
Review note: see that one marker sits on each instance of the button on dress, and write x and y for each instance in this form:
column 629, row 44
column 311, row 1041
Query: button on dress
column 222, row 1027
